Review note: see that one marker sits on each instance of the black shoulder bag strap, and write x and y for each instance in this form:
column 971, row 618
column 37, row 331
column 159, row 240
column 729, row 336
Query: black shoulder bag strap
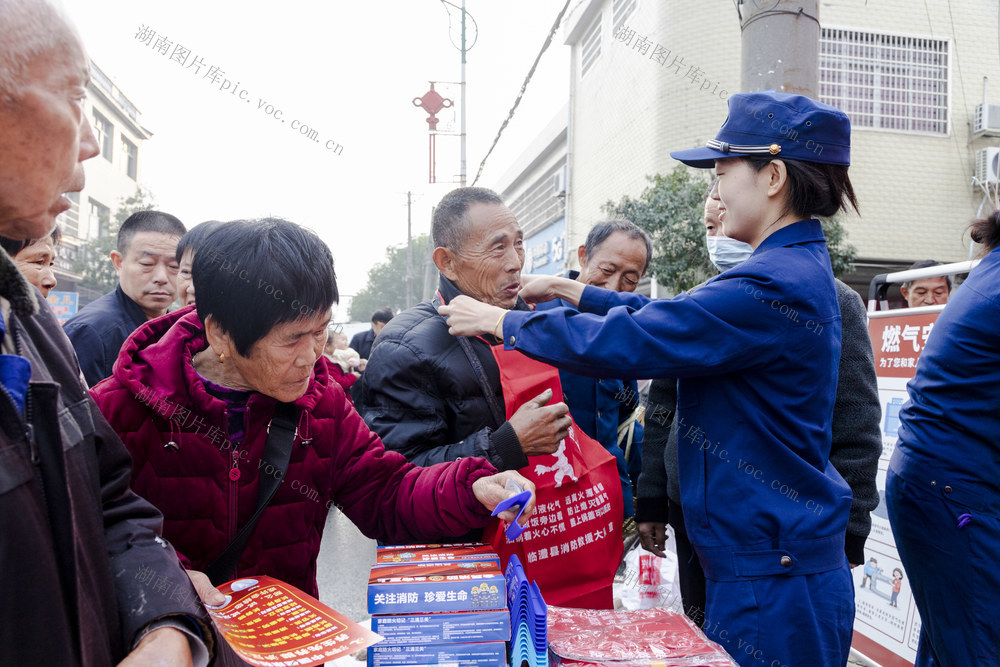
column 499, row 414
column 277, row 451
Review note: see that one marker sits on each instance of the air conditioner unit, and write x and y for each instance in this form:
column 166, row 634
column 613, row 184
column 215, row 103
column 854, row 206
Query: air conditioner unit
column 987, row 120
column 988, row 165
column 559, row 183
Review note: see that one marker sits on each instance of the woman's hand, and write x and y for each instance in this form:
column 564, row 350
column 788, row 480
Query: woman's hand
column 492, row 490
column 468, row 317
column 547, row 288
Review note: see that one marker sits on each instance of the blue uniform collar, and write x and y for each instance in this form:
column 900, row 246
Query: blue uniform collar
column 803, row 231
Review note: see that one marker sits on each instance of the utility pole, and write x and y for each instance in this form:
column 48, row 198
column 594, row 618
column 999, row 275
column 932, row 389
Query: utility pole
column 780, row 46
column 461, row 176
column 409, row 250
column 429, row 267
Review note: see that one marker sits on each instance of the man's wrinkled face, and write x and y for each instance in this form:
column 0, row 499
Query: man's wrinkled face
column 927, row 292
column 44, row 138
column 616, row 264
column 148, row 271
column 488, row 268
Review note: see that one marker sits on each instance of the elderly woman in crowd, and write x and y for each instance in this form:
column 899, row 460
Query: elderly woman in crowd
column 191, row 242
column 194, row 393
column 35, row 259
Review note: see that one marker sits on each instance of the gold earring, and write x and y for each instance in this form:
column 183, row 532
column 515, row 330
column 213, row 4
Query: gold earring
column 222, row 358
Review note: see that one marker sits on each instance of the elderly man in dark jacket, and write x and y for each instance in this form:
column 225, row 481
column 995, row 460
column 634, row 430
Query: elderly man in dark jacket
column 434, row 397
column 85, row 577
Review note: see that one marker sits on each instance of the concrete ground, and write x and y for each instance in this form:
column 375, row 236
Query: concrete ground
column 345, row 560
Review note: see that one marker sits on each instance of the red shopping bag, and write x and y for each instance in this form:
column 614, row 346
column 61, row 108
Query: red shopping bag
column 573, row 542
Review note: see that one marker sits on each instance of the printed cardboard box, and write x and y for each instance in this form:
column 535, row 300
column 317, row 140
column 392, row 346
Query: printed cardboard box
column 484, row 654
column 418, row 588
column 443, row 628
column 434, row 553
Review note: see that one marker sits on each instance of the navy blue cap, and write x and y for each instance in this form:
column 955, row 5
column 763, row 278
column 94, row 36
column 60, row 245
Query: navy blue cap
column 779, row 125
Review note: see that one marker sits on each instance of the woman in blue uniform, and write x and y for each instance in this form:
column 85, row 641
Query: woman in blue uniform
column 943, row 484
column 756, row 350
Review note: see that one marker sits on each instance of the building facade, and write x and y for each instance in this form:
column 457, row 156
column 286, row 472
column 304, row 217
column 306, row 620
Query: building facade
column 534, row 189
column 652, row 76
column 112, row 176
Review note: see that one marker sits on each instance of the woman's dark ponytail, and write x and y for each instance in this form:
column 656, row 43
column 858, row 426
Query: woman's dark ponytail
column 986, row 231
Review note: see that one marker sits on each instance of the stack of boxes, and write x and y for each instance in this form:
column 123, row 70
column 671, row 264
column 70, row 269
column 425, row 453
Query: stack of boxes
column 438, row 604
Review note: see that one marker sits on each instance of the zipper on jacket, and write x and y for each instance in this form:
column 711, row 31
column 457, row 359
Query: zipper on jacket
column 234, row 486
column 29, row 430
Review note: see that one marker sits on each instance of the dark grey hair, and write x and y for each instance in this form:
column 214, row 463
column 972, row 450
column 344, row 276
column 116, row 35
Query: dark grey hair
column 925, row 264
column 600, row 232
column 252, row 275
column 450, row 225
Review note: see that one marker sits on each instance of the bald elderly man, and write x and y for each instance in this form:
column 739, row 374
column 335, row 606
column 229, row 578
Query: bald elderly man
column 85, row 578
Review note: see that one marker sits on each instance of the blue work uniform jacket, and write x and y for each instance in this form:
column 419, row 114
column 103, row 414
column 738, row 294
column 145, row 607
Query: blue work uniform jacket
column 598, row 406
column 756, row 351
column 950, row 427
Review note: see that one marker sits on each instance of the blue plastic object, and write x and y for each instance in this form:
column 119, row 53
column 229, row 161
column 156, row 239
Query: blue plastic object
column 514, row 528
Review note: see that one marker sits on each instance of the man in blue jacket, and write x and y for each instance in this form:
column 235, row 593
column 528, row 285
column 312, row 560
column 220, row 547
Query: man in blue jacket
column 615, row 256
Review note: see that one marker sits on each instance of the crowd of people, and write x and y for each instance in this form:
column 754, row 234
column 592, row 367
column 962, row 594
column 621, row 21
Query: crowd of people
column 199, row 422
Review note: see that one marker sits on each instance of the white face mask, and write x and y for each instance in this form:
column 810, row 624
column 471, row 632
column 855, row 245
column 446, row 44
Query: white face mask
column 727, row 253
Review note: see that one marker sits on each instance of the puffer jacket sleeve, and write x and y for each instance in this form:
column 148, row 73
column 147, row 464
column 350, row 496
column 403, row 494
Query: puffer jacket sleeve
column 391, row 499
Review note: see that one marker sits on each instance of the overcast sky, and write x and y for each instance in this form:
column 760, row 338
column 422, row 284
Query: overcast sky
column 349, row 70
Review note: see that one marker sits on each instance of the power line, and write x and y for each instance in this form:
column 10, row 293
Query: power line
column 510, row 114
column 961, row 84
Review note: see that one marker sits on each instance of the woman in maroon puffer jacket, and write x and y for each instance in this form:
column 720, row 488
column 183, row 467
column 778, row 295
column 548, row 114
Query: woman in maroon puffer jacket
column 193, row 392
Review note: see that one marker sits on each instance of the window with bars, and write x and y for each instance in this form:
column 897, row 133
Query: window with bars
column 886, row 82
column 70, row 220
column 100, row 214
column 620, row 11
column 591, row 45
column 538, row 206
column 131, row 153
column 105, row 132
